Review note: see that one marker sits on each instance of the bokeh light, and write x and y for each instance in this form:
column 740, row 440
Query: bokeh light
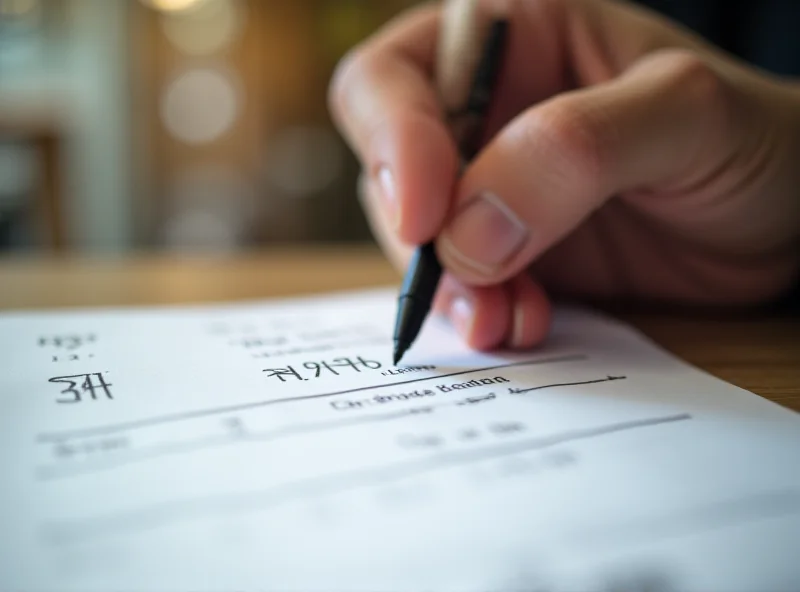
column 172, row 5
column 209, row 207
column 208, row 28
column 200, row 105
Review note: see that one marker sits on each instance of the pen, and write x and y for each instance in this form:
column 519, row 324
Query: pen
column 424, row 271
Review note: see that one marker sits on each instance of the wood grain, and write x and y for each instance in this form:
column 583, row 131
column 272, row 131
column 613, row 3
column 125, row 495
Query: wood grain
column 760, row 354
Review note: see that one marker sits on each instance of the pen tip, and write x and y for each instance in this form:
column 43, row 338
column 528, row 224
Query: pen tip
column 399, row 350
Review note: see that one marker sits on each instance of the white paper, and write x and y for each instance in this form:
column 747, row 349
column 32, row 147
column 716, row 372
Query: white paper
column 181, row 460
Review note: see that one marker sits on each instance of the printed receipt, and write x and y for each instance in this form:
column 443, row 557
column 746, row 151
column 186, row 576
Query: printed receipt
column 273, row 446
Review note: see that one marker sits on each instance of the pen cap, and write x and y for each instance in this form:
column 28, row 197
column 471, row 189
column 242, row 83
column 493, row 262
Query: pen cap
column 466, row 27
column 461, row 36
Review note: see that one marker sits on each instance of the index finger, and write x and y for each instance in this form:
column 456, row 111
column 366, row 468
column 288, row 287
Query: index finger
column 384, row 101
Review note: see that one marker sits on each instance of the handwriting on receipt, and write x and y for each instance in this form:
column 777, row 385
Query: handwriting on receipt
column 334, row 367
column 82, row 387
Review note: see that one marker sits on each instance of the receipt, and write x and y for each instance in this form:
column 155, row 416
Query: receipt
column 273, row 446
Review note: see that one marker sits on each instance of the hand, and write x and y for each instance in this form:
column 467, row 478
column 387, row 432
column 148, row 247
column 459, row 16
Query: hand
column 624, row 158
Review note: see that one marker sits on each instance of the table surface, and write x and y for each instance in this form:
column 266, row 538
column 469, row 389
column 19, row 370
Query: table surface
column 758, row 353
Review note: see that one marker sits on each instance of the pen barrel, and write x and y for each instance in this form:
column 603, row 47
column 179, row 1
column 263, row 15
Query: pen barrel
column 417, row 292
column 422, row 278
column 468, row 123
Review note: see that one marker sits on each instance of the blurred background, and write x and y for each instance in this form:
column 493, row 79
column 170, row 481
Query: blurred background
column 202, row 125
column 191, row 125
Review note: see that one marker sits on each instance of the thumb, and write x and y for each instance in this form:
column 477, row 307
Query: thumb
column 666, row 121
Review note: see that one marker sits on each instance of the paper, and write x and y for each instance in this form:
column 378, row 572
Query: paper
column 272, row 446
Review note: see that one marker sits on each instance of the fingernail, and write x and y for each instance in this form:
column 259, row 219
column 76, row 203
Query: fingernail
column 389, row 193
column 485, row 234
column 518, row 327
column 461, row 315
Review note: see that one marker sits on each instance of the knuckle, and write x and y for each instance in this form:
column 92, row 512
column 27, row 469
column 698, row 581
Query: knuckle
column 569, row 135
column 350, row 68
column 696, row 78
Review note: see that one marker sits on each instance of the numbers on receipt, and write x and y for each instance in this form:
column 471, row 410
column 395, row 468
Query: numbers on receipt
column 319, row 369
column 69, row 342
column 70, row 347
column 82, row 387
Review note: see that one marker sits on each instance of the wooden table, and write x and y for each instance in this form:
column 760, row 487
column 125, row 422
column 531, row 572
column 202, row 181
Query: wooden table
column 760, row 354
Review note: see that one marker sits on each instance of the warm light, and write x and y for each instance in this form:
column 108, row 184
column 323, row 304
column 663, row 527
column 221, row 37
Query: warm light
column 206, row 29
column 200, row 105
column 173, row 5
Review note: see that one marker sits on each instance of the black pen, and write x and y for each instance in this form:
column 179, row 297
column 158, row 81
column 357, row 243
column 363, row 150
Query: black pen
column 424, row 271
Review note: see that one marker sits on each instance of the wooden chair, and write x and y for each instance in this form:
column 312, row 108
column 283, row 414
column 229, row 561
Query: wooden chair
column 41, row 125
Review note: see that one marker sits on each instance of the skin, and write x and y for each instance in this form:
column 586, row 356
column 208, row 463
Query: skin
column 635, row 161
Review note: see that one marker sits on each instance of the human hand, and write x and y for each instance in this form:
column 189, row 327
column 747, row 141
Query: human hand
column 624, row 158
